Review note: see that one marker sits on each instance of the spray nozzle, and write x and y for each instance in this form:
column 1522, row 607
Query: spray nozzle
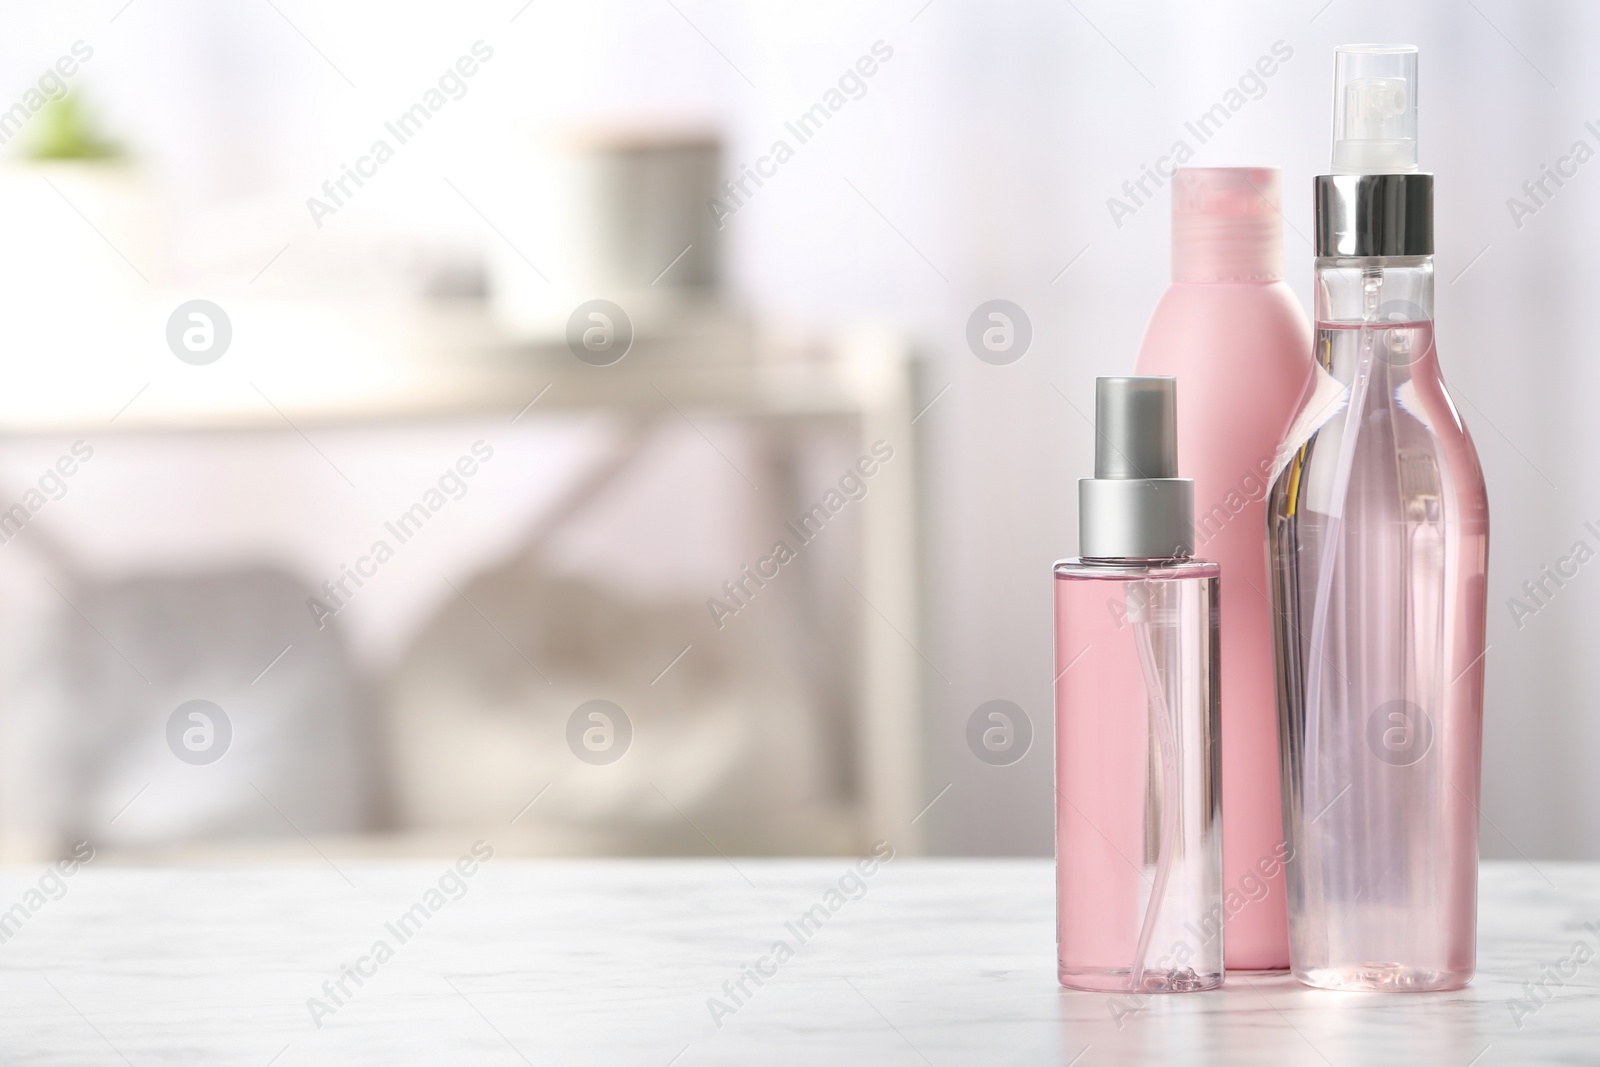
column 1375, row 109
column 1136, row 506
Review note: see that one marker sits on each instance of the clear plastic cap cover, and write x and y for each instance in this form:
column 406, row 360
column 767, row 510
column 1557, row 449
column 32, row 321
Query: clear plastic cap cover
column 1375, row 109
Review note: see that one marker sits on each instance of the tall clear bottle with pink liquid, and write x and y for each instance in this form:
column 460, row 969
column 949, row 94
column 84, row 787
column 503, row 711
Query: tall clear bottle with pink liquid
column 1138, row 802
column 1379, row 535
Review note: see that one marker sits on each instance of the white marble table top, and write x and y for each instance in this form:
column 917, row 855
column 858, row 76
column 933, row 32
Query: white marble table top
column 935, row 962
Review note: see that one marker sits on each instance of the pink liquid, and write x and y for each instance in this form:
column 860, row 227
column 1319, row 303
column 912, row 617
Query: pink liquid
column 1381, row 660
column 1138, row 827
column 1241, row 352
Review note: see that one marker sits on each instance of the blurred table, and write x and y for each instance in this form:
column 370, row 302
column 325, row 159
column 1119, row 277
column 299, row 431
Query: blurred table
column 303, row 368
column 614, row 962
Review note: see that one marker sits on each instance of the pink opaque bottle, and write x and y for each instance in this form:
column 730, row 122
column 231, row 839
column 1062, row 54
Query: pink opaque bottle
column 1234, row 336
column 1138, row 828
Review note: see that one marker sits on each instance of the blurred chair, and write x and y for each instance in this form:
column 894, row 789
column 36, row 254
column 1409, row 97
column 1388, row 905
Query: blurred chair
column 284, row 750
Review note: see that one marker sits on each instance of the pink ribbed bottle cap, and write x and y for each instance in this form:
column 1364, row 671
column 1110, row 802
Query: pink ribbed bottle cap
column 1225, row 225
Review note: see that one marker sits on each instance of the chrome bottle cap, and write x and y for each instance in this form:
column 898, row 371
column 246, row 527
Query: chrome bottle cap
column 1135, row 506
column 1374, row 214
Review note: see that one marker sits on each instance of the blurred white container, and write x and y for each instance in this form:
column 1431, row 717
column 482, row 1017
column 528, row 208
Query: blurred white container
column 619, row 215
column 81, row 249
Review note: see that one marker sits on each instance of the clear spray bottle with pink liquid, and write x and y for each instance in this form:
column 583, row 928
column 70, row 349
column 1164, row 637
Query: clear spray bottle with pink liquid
column 1379, row 533
column 1138, row 804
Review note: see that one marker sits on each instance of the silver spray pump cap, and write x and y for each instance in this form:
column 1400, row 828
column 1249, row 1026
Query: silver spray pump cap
column 1135, row 506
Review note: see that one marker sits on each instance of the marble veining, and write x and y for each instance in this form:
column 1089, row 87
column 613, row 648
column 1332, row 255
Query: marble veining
column 640, row 962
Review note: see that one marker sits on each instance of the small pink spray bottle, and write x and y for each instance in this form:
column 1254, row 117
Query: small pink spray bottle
column 1138, row 814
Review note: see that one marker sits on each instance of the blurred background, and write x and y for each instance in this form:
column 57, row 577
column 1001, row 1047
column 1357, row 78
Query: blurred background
column 559, row 422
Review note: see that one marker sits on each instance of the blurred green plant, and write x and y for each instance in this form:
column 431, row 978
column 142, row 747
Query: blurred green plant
column 67, row 131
